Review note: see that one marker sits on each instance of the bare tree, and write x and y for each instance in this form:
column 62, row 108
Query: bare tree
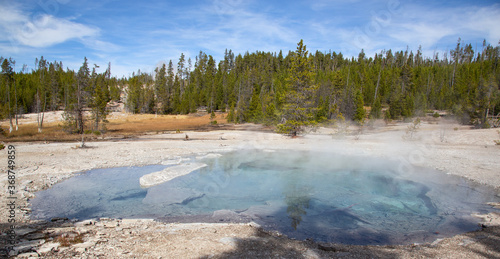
column 41, row 98
column 73, row 113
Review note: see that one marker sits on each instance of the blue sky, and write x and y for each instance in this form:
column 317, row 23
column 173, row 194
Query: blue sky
column 136, row 35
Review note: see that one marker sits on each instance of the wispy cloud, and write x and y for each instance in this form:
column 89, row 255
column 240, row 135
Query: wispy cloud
column 41, row 31
column 230, row 24
column 425, row 23
column 102, row 46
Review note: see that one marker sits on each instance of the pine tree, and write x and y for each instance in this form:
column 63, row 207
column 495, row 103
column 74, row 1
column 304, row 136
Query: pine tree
column 270, row 117
column 161, row 90
column 7, row 76
column 359, row 115
column 74, row 112
column 41, row 93
column 376, row 111
column 167, row 106
column 231, row 116
column 99, row 99
column 299, row 109
column 255, row 109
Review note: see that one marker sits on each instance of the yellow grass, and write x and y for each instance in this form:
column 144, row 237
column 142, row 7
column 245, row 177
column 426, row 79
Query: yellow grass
column 142, row 123
column 122, row 125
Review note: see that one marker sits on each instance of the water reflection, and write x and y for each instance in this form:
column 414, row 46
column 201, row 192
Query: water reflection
column 297, row 199
column 296, row 207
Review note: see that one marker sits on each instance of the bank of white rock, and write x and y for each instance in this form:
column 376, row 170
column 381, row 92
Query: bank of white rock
column 169, row 173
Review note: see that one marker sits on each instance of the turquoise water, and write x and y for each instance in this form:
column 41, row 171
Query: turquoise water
column 323, row 196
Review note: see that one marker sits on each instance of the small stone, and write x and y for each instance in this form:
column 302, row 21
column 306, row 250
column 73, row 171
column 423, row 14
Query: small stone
column 103, row 240
column 24, row 231
column 436, row 242
column 229, row 241
column 330, row 247
column 25, row 183
column 84, row 223
column 85, row 246
column 25, row 209
column 99, row 224
column 112, row 224
column 27, row 246
column 80, row 250
column 47, row 247
column 66, row 224
column 58, row 219
column 467, row 241
column 254, row 224
column 35, row 236
column 309, row 253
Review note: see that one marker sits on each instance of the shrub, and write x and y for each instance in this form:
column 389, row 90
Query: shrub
column 342, row 127
column 68, row 239
column 435, row 115
column 411, row 131
column 213, row 122
column 2, row 146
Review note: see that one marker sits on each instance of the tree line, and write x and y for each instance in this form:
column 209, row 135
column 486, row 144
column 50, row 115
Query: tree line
column 82, row 94
column 289, row 90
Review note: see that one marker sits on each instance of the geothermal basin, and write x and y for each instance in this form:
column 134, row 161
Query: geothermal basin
column 322, row 196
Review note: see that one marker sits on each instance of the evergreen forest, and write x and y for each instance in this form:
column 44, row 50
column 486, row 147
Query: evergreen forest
column 289, row 90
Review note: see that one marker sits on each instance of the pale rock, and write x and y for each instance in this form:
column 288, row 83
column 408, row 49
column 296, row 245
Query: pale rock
column 28, row 255
column 27, row 246
column 208, row 156
column 254, row 224
column 82, row 247
column 80, row 250
column 436, row 242
column 35, row 236
column 467, row 241
column 309, row 253
column 82, row 230
column 84, row 223
column 168, row 174
column 24, row 231
column 231, row 241
column 111, row 224
column 47, row 247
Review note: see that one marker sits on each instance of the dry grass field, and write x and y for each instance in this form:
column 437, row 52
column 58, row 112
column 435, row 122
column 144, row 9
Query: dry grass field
column 121, row 125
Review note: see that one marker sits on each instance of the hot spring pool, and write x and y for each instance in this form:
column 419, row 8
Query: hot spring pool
column 323, row 196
